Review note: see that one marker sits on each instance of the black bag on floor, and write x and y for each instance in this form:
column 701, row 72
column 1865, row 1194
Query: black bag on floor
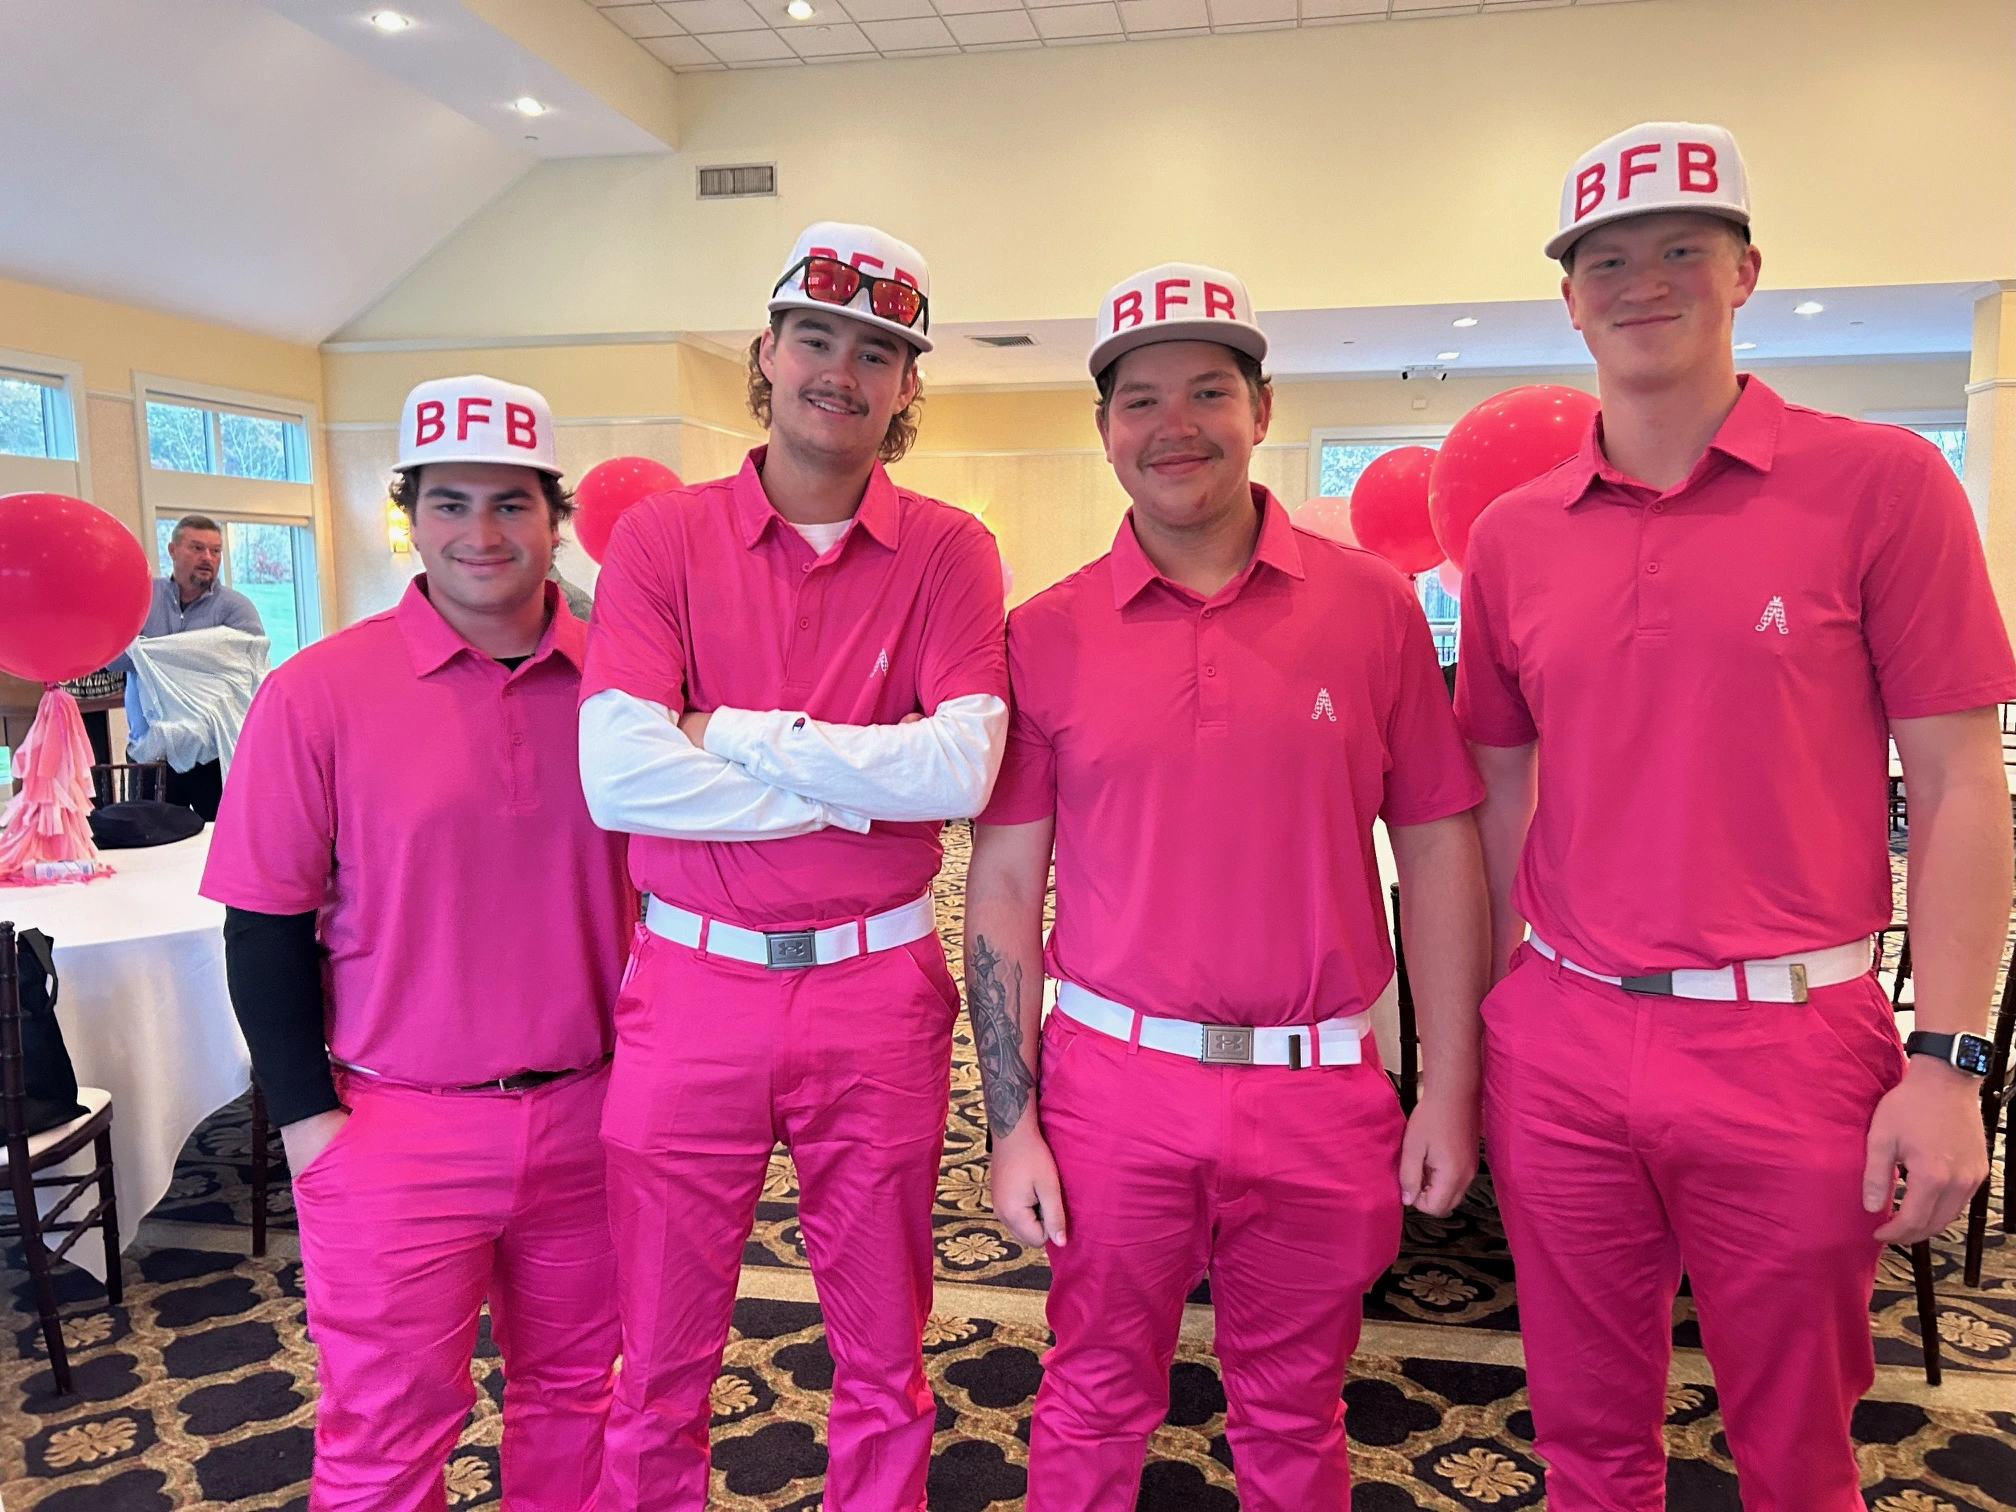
column 142, row 822
column 52, row 1083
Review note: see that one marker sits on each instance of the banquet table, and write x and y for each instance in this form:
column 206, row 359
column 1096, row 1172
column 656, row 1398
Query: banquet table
column 144, row 1010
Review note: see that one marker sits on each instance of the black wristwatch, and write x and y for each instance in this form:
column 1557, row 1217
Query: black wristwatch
column 1963, row 1052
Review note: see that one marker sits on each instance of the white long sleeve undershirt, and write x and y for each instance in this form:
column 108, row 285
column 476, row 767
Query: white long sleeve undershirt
column 642, row 776
column 939, row 767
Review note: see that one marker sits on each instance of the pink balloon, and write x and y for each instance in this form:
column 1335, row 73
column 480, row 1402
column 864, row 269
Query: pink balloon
column 1327, row 516
column 1509, row 439
column 74, row 587
column 1389, row 509
column 1450, row 576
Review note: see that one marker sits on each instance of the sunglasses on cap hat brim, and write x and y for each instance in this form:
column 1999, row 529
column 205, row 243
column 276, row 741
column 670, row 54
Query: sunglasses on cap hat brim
column 831, row 281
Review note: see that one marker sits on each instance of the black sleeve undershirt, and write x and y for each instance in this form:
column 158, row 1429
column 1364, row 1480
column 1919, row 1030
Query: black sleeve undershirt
column 273, row 965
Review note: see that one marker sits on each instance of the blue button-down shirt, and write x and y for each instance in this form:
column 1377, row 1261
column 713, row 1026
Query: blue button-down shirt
column 168, row 615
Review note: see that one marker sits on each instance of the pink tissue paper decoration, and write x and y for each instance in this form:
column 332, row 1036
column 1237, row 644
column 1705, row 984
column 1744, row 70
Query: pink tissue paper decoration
column 48, row 820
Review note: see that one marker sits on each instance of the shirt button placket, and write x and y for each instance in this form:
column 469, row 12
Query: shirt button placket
column 1211, row 679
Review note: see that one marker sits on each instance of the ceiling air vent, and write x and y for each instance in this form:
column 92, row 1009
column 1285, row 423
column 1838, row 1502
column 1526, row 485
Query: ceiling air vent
column 1017, row 339
column 738, row 181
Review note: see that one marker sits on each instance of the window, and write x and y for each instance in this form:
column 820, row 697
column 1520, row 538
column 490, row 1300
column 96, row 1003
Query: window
column 231, row 443
column 1950, row 439
column 1342, row 463
column 35, row 416
column 273, row 565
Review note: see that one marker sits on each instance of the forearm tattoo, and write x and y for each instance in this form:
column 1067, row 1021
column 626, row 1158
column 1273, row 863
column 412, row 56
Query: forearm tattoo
column 994, row 1002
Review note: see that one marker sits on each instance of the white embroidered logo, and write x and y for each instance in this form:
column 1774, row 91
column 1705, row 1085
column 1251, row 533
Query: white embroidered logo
column 881, row 664
column 1324, row 708
column 1774, row 614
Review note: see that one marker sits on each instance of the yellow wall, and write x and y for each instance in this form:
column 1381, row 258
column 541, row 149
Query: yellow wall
column 1397, row 163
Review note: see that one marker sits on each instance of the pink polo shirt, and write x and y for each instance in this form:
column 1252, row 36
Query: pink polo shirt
column 709, row 599
column 1215, row 766
column 427, row 801
column 1709, row 672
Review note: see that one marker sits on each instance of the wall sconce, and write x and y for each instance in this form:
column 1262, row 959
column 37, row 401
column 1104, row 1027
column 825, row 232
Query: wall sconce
column 398, row 530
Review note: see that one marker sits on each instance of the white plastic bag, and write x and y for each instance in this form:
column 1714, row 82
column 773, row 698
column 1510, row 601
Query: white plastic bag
column 195, row 689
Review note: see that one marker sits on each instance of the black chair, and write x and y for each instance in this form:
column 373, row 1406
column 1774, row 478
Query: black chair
column 1997, row 1089
column 1403, row 991
column 130, row 782
column 26, row 1154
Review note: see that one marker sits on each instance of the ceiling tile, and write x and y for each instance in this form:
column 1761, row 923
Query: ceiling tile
column 1435, row 7
column 907, row 36
column 643, row 20
column 1244, row 12
column 993, row 28
column 921, row 52
column 747, row 46
column 1313, row 10
column 703, row 17
column 886, row 10
column 791, row 62
column 970, row 7
column 1063, row 22
column 1163, row 15
column 1004, row 46
column 1254, row 26
column 680, row 52
column 835, row 41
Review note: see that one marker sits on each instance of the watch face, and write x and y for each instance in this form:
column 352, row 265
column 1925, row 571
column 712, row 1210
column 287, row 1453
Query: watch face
column 1973, row 1053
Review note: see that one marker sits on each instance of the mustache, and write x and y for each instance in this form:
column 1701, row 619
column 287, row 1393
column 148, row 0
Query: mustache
column 829, row 396
column 1197, row 449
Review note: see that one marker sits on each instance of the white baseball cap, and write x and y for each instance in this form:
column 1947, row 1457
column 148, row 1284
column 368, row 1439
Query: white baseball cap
column 476, row 419
column 869, row 252
column 1175, row 302
column 1656, row 165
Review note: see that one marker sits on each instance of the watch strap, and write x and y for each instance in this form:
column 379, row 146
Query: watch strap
column 1939, row 1047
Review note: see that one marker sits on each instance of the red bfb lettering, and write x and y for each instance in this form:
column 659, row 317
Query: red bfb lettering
column 863, row 260
column 1127, row 310
column 1218, row 301
column 1697, row 168
column 521, row 426
column 1588, row 189
column 1164, row 298
column 903, row 276
column 1628, row 166
column 430, row 422
column 470, row 409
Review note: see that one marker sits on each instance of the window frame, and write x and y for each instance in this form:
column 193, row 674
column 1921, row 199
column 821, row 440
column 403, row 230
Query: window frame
column 22, row 474
column 1360, row 435
column 305, row 612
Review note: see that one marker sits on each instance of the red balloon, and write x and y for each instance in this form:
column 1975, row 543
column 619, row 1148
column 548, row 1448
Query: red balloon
column 1451, row 578
column 74, row 587
column 609, row 488
column 1326, row 515
column 1509, row 439
column 1389, row 509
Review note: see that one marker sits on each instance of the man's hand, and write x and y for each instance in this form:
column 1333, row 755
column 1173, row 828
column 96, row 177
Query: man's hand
column 693, row 725
column 1027, row 1195
column 1930, row 1124
column 1438, row 1156
column 306, row 1138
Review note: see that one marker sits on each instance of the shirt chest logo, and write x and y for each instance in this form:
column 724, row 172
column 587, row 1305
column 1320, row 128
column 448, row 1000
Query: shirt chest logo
column 1324, row 708
column 1774, row 615
column 881, row 664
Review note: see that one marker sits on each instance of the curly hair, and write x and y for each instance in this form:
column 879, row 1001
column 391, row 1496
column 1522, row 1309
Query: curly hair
column 902, row 432
column 405, row 492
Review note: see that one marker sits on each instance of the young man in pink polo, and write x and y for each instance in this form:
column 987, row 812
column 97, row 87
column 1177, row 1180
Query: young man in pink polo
column 1684, row 654
column 795, row 675
column 424, row 934
column 1207, row 721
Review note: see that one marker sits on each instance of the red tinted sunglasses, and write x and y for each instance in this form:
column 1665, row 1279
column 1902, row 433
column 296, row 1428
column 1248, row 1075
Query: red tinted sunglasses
column 831, row 281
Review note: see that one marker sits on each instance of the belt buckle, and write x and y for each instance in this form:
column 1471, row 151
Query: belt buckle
column 1227, row 1045
column 791, row 949
column 1797, row 972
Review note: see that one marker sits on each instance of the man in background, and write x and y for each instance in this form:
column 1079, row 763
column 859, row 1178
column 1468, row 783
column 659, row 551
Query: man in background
column 189, row 598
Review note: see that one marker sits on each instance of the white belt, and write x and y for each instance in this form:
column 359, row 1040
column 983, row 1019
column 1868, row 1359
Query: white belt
column 1780, row 979
column 1334, row 1042
column 791, row 948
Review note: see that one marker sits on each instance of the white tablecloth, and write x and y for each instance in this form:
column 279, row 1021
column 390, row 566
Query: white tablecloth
column 144, row 1010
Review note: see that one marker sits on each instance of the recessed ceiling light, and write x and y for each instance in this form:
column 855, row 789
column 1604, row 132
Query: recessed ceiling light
column 390, row 21
column 800, row 10
column 525, row 105
column 1464, row 322
column 1808, row 307
column 1447, row 356
column 1746, row 346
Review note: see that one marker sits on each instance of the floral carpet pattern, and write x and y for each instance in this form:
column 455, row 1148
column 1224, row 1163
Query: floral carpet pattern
column 200, row 1390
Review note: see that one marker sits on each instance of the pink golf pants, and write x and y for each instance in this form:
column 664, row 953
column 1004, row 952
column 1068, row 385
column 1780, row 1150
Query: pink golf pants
column 1284, row 1185
column 849, row 1065
column 423, row 1207
column 1632, row 1137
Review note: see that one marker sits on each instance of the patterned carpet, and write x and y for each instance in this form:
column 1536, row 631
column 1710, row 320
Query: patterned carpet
column 200, row 1391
